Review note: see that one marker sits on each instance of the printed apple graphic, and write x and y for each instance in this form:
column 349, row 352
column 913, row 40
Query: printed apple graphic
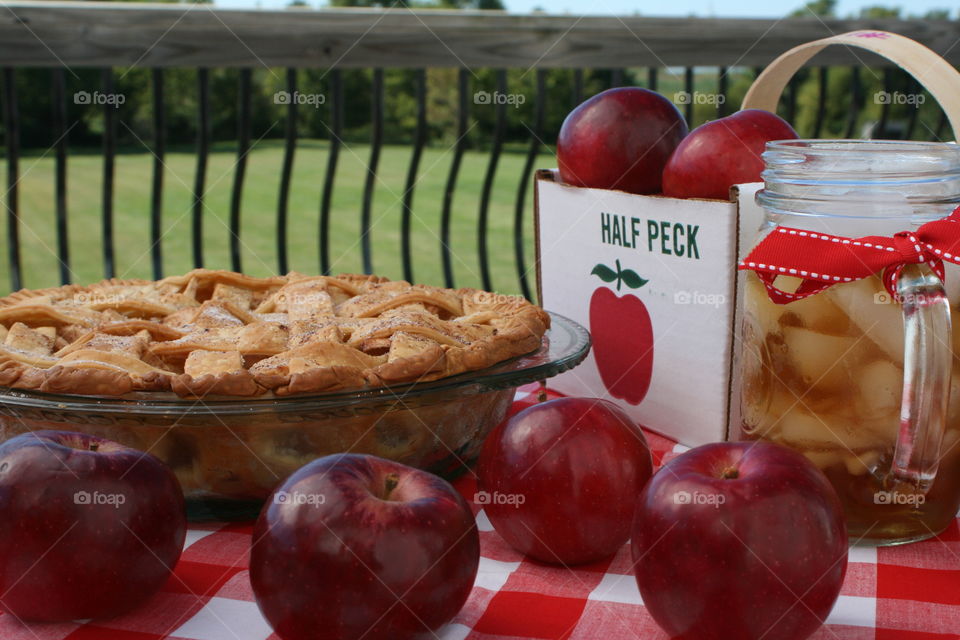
column 622, row 335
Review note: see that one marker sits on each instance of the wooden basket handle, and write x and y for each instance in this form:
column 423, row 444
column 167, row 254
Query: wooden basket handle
column 933, row 72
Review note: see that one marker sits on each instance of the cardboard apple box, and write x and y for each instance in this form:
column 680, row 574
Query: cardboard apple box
column 669, row 270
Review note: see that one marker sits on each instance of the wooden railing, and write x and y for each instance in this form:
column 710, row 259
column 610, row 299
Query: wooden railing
column 63, row 36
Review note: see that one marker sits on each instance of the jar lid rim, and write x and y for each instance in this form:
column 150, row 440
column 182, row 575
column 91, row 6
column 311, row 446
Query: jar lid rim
column 843, row 145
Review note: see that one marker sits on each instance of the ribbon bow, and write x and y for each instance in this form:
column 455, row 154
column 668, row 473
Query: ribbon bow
column 823, row 260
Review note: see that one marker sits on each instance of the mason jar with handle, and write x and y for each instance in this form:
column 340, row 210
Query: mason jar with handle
column 850, row 340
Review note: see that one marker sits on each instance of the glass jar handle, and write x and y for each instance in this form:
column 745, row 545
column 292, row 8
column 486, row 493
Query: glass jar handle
column 927, row 361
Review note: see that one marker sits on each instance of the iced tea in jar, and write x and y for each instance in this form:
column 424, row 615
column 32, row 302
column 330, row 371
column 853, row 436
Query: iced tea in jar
column 849, row 354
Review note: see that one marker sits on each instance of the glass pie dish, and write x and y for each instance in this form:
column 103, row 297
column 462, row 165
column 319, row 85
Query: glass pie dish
column 230, row 453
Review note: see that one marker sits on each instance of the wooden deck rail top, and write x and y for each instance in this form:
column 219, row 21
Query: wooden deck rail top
column 99, row 34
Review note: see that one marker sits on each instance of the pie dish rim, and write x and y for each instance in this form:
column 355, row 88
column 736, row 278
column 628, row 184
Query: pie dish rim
column 510, row 373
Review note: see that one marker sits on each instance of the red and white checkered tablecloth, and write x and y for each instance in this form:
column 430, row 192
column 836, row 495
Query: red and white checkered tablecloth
column 910, row 592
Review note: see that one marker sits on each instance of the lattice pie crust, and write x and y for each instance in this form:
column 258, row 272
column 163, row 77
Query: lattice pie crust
column 223, row 333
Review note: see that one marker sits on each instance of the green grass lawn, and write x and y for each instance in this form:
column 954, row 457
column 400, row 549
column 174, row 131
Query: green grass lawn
column 258, row 230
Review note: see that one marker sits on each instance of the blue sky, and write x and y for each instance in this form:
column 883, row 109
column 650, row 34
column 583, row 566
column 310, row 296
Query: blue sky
column 721, row 8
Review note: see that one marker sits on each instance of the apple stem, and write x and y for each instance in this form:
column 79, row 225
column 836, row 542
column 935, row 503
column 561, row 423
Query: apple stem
column 390, row 483
column 94, row 446
column 730, row 473
column 542, row 392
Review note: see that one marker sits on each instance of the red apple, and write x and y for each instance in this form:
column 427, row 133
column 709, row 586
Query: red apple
column 355, row 546
column 622, row 335
column 722, row 153
column 739, row 540
column 88, row 528
column 560, row 479
column 619, row 139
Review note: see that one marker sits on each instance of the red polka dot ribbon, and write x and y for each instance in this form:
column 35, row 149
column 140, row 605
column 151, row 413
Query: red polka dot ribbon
column 823, row 260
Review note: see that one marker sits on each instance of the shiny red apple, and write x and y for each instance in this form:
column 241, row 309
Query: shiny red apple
column 722, row 153
column 560, row 479
column 741, row 540
column 88, row 528
column 619, row 139
column 355, row 546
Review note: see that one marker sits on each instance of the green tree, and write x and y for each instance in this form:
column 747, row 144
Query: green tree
column 935, row 14
column 494, row 5
column 821, row 8
column 879, row 11
column 370, row 3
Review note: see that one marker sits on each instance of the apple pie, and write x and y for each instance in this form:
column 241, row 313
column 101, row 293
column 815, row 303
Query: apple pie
column 222, row 333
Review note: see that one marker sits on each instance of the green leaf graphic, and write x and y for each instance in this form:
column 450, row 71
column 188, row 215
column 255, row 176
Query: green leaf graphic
column 621, row 276
column 632, row 279
column 604, row 272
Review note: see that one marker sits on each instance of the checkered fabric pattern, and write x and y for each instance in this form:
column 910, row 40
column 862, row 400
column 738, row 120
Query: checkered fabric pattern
column 898, row 593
